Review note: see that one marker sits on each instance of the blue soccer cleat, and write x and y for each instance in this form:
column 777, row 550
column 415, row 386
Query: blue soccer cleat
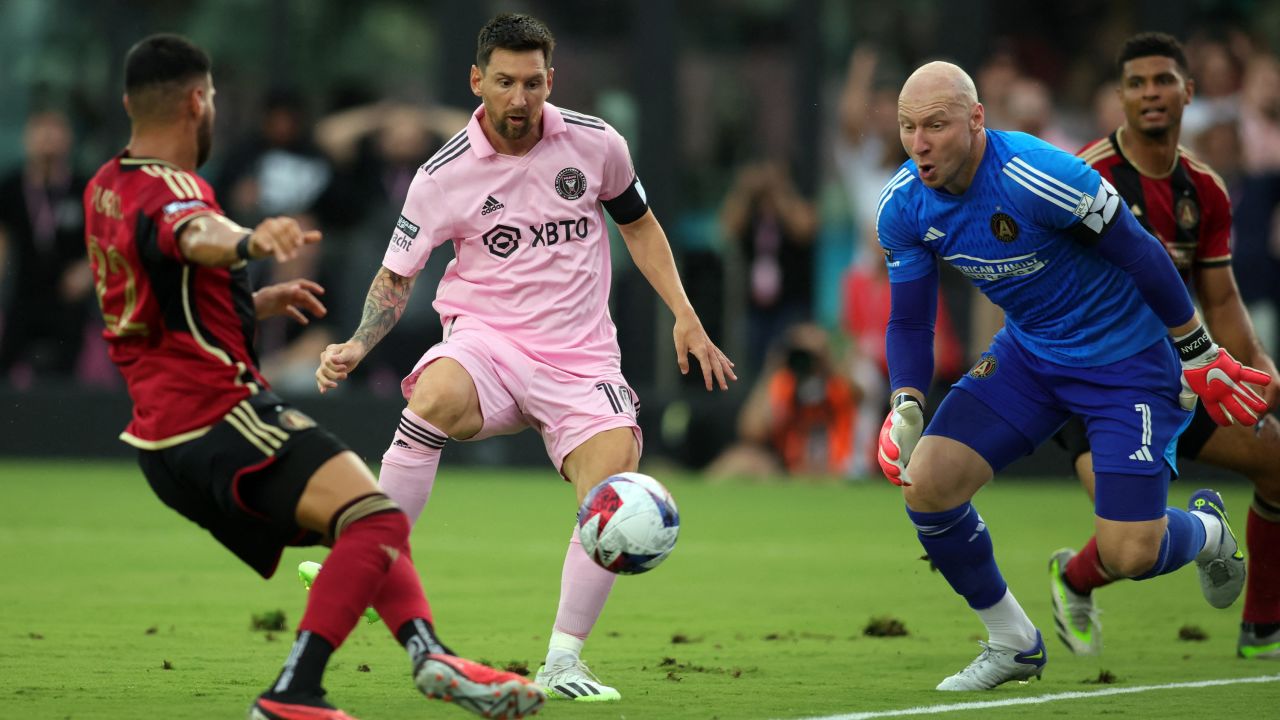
column 1222, row 573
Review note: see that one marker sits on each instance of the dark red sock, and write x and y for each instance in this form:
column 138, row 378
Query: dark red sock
column 1085, row 573
column 401, row 598
column 1262, row 591
column 354, row 573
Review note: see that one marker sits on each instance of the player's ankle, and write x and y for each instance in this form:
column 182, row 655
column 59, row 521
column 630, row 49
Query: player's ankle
column 564, row 648
column 1213, row 532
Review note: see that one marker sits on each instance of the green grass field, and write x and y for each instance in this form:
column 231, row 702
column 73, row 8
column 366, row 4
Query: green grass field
column 114, row 607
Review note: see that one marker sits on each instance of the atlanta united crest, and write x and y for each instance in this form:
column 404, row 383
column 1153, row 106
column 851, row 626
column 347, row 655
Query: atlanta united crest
column 985, row 367
column 571, row 183
column 1187, row 213
column 1003, row 227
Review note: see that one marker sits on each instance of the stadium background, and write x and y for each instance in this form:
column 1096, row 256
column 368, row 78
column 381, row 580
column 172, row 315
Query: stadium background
column 700, row 89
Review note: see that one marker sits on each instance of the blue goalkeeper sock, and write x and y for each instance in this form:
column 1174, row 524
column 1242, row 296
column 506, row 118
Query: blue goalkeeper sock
column 960, row 547
column 1182, row 539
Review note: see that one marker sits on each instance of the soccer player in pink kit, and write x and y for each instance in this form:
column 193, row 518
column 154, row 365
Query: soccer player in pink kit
column 528, row 338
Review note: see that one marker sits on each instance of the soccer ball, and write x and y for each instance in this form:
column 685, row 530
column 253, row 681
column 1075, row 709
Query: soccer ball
column 628, row 524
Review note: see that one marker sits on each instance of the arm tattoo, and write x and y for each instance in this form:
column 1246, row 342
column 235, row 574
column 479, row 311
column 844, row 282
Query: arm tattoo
column 387, row 297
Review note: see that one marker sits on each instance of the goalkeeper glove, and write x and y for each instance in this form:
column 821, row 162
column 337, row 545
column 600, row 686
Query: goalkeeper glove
column 1210, row 373
column 898, row 437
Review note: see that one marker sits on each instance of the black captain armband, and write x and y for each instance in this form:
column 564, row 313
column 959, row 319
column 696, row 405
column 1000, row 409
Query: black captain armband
column 242, row 247
column 630, row 205
column 1194, row 344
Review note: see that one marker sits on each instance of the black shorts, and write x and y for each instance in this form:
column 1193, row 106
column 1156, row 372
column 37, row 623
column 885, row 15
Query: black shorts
column 241, row 481
column 1071, row 437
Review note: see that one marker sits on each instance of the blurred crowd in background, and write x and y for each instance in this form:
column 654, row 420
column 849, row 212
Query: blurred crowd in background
column 764, row 130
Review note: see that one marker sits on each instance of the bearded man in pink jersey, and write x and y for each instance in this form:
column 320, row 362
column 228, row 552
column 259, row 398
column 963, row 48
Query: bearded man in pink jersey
column 520, row 192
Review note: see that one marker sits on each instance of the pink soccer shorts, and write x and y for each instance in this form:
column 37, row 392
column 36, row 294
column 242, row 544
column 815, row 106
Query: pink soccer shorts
column 517, row 391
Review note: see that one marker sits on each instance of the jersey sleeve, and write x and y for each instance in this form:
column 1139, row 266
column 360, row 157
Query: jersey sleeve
column 904, row 252
column 174, row 198
column 424, row 224
column 1059, row 191
column 620, row 190
column 1214, row 248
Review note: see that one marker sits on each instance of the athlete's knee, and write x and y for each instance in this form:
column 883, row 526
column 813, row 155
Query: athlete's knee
column 627, row 460
column 930, row 493
column 1266, row 508
column 1129, row 557
column 449, row 408
column 938, row 484
column 375, row 512
column 1266, row 477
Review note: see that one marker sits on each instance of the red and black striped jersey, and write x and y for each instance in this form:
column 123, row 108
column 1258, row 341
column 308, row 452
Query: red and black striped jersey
column 1187, row 209
column 180, row 333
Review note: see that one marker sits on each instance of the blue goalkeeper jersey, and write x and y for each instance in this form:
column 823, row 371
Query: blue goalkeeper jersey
column 1023, row 233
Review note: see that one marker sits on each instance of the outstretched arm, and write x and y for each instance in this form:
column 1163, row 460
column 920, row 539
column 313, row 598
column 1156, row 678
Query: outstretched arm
column 1229, row 321
column 383, row 306
column 1208, row 372
column 651, row 252
column 215, row 241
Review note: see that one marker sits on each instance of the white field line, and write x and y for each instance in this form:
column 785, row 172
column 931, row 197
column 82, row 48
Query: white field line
column 1041, row 699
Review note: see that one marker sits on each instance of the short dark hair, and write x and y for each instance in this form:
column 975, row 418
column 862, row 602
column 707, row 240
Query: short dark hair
column 511, row 31
column 161, row 60
column 1151, row 43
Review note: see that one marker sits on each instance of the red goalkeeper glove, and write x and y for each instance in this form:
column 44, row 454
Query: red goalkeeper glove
column 898, row 437
column 1210, row 373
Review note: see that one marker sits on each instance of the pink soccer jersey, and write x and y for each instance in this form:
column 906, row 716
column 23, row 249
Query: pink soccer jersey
column 529, row 237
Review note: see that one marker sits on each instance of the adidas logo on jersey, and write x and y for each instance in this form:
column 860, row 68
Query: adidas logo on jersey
column 1142, row 454
column 490, row 205
column 400, row 443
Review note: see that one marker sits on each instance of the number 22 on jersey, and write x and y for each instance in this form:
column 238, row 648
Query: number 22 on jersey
column 118, row 304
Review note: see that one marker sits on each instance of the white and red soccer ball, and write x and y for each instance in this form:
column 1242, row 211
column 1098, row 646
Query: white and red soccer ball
column 628, row 523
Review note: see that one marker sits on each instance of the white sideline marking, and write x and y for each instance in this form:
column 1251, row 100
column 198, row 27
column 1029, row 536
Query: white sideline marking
column 1040, row 699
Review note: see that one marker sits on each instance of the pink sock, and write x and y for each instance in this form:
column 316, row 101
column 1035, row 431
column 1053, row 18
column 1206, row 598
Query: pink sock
column 409, row 465
column 584, row 586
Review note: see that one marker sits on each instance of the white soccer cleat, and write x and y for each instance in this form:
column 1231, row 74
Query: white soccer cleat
column 996, row 666
column 1074, row 615
column 574, row 681
column 1221, row 576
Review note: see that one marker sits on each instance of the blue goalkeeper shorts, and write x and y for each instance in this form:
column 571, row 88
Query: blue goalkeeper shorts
column 1130, row 410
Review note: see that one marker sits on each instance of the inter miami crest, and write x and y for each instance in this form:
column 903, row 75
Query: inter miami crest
column 985, row 367
column 1003, row 227
column 571, row 183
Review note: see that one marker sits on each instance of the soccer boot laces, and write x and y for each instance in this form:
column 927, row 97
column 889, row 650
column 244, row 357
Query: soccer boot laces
column 997, row 665
column 1222, row 575
column 478, row 688
column 573, row 680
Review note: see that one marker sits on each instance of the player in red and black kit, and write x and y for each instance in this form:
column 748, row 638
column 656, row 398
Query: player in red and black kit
column 1185, row 204
column 213, row 441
